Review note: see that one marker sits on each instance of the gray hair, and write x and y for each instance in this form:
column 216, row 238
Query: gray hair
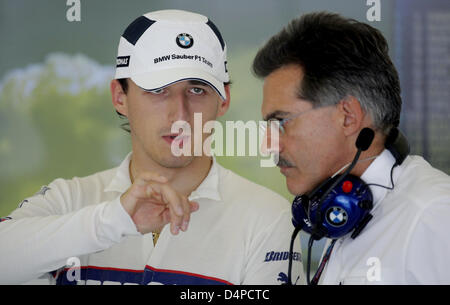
column 340, row 58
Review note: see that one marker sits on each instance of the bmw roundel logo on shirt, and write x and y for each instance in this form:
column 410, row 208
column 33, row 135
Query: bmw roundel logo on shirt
column 185, row 40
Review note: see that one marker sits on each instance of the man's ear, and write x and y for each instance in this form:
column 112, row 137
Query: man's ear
column 224, row 104
column 119, row 97
column 351, row 115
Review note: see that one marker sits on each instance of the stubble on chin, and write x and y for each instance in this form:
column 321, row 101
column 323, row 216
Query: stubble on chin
column 175, row 162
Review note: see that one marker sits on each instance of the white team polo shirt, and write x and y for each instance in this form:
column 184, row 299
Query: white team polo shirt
column 240, row 235
column 406, row 242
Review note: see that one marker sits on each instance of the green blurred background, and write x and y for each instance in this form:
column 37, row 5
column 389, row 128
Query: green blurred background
column 56, row 116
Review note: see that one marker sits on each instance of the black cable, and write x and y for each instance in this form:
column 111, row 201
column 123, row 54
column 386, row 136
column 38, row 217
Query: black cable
column 392, row 180
column 308, row 261
column 291, row 250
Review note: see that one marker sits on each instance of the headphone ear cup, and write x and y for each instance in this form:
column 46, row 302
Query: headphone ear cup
column 300, row 217
column 346, row 207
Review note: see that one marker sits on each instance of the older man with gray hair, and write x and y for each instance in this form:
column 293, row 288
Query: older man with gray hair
column 331, row 86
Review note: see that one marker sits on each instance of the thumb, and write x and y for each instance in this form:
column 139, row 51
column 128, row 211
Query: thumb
column 194, row 206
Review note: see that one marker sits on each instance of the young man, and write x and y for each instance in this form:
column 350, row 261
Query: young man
column 208, row 225
column 326, row 78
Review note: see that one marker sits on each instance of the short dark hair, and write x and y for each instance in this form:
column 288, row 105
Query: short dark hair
column 124, row 84
column 340, row 57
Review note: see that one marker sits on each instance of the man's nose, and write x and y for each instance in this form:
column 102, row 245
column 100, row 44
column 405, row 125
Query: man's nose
column 271, row 140
column 178, row 107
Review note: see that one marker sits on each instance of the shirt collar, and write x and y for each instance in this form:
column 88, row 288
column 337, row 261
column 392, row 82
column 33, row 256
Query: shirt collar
column 121, row 180
column 209, row 188
column 379, row 172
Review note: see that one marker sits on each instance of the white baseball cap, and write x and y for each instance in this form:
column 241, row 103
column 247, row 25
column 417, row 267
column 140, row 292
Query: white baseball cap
column 161, row 48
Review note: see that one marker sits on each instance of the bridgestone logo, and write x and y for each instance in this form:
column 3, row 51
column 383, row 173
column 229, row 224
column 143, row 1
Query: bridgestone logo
column 122, row 61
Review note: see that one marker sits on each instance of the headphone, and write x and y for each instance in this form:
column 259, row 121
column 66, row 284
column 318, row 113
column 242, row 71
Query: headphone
column 342, row 203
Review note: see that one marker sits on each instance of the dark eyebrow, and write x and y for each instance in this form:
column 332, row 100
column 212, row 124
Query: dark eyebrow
column 197, row 83
column 276, row 113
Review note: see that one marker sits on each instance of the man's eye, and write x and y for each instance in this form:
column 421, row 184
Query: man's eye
column 197, row 90
column 277, row 120
column 157, row 91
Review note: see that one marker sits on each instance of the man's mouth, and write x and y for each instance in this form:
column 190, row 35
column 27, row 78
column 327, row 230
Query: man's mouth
column 178, row 138
column 284, row 165
column 282, row 162
column 169, row 138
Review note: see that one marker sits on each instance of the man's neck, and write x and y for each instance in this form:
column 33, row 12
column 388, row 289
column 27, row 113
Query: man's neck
column 183, row 179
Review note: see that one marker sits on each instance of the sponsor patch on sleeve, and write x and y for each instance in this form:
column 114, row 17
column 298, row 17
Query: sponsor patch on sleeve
column 273, row 256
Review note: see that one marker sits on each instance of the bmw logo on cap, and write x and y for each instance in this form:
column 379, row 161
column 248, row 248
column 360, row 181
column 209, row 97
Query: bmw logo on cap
column 336, row 216
column 185, row 41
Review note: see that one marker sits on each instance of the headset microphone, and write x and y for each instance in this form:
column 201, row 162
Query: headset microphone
column 365, row 138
